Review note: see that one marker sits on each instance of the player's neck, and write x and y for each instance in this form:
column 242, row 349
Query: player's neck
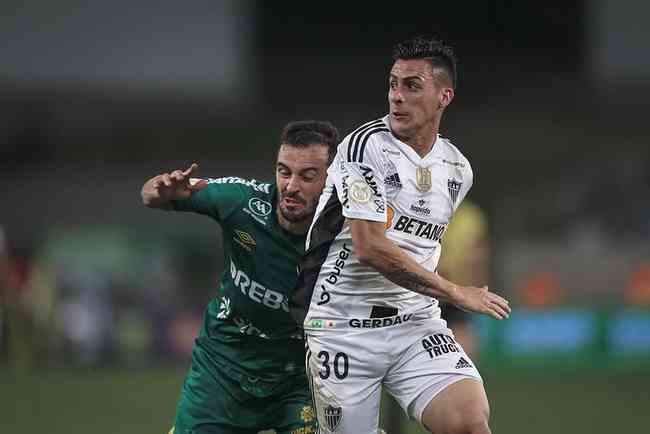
column 423, row 141
column 295, row 228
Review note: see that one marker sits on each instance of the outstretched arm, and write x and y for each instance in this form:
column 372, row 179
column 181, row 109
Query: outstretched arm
column 375, row 250
column 159, row 191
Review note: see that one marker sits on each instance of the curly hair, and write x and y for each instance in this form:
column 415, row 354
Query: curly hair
column 306, row 133
column 420, row 47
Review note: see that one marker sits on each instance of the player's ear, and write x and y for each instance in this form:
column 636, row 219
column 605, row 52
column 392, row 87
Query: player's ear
column 445, row 97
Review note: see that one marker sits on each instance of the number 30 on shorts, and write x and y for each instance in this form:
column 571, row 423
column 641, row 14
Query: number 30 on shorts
column 340, row 364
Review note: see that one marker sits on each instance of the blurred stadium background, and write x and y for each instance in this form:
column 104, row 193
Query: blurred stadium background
column 100, row 298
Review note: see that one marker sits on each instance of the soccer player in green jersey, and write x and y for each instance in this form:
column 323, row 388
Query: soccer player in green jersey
column 247, row 372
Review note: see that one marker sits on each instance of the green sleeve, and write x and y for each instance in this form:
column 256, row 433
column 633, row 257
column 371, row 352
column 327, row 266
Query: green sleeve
column 218, row 199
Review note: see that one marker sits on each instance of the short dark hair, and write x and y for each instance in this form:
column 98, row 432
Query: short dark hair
column 305, row 133
column 420, row 47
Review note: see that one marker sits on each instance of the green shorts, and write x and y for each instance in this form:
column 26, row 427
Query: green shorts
column 218, row 400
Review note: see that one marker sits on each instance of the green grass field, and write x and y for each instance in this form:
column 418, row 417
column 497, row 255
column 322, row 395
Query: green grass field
column 101, row 401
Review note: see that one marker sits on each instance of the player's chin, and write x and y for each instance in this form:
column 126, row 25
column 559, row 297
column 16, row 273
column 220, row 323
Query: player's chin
column 294, row 214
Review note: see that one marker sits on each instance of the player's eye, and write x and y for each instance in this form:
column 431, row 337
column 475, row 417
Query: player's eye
column 309, row 176
column 414, row 85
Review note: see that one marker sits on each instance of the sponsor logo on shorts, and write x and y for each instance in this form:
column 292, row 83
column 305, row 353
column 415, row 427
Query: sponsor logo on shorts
column 332, row 416
column 304, row 430
column 379, row 322
column 307, row 413
column 439, row 344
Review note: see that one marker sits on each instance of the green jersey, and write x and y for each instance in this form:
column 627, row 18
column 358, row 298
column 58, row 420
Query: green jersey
column 247, row 328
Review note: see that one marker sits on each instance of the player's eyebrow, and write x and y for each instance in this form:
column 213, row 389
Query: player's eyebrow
column 306, row 169
column 408, row 77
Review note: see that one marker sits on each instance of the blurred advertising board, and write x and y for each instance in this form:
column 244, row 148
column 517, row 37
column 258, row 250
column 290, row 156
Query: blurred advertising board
column 567, row 339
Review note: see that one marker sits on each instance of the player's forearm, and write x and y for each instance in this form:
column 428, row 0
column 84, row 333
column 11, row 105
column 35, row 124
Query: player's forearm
column 151, row 198
column 401, row 269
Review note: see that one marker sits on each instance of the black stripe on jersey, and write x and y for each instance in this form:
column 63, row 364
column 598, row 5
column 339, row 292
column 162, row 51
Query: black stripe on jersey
column 352, row 156
column 366, row 137
column 325, row 229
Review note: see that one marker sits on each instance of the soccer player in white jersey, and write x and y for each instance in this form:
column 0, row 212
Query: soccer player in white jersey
column 368, row 291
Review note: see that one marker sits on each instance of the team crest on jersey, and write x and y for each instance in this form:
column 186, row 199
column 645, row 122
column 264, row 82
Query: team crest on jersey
column 423, row 179
column 245, row 240
column 454, row 187
column 332, row 416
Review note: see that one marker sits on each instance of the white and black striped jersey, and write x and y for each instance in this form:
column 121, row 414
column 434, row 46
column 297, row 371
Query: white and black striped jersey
column 377, row 177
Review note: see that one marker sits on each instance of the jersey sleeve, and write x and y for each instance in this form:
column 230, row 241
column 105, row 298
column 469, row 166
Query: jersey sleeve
column 468, row 181
column 217, row 200
column 360, row 184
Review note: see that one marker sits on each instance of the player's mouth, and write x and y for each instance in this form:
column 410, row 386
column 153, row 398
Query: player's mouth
column 399, row 116
column 289, row 201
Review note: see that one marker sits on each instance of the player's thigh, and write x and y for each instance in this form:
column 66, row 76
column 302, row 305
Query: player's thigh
column 430, row 364
column 292, row 411
column 460, row 407
column 345, row 387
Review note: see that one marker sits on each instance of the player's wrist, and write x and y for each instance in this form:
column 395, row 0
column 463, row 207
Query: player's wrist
column 455, row 294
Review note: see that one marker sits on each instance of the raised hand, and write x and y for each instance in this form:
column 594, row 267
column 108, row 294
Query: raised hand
column 161, row 189
column 481, row 300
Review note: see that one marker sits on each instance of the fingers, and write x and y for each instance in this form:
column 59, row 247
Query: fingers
column 177, row 176
column 191, row 170
column 498, row 305
column 498, row 311
column 166, row 179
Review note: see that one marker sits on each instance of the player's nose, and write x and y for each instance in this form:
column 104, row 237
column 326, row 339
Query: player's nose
column 395, row 96
column 293, row 184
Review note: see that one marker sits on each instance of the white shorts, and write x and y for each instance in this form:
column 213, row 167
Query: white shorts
column 414, row 361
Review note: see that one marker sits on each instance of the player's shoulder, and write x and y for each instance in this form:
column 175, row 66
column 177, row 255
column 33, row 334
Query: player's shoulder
column 452, row 155
column 362, row 141
column 243, row 185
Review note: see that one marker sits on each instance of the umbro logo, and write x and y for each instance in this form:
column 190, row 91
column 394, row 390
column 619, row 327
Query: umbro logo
column 462, row 363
